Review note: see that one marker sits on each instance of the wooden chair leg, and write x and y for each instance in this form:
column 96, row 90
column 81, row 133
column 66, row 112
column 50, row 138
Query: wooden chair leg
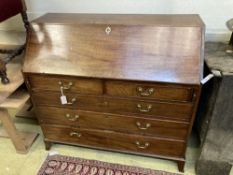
column 21, row 140
column 3, row 74
column 4, row 78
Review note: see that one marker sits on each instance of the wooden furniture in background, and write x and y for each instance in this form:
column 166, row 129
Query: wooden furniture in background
column 27, row 111
column 215, row 115
column 230, row 27
column 128, row 83
column 8, row 9
column 11, row 96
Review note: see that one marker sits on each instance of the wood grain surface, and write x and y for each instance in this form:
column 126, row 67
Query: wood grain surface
column 150, row 90
column 114, row 140
column 161, row 53
column 112, row 122
column 181, row 111
column 74, row 84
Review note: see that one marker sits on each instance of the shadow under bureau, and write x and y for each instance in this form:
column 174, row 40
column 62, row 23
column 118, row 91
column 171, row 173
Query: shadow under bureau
column 128, row 83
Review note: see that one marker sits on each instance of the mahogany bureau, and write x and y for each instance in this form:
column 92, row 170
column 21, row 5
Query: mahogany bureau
column 127, row 83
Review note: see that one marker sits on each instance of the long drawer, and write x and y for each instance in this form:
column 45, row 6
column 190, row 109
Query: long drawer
column 115, row 141
column 116, row 105
column 71, row 84
column 149, row 90
column 105, row 121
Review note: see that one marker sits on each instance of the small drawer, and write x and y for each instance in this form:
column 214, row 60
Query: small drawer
column 171, row 110
column 153, row 91
column 104, row 121
column 69, row 84
column 114, row 141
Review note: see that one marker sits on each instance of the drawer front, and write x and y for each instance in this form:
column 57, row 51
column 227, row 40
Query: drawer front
column 104, row 121
column 153, row 91
column 115, row 141
column 69, row 84
column 115, row 105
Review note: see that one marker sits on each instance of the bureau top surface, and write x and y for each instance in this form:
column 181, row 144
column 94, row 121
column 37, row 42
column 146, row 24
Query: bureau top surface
column 158, row 48
column 123, row 19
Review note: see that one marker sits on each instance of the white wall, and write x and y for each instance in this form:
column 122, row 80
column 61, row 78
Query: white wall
column 214, row 12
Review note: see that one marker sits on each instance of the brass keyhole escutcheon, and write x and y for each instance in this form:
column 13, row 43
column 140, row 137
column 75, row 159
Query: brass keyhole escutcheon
column 108, row 30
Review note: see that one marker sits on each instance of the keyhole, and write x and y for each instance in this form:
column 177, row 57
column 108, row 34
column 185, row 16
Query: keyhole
column 108, row 30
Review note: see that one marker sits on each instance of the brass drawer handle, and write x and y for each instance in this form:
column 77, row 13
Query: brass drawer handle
column 72, row 101
column 72, row 118
column 103, row 104
column 76, row 134
column 66, row 87
column 145, row 92
column 139, row 125
column 63, row 98
column 142, row 146
column 144, row 110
